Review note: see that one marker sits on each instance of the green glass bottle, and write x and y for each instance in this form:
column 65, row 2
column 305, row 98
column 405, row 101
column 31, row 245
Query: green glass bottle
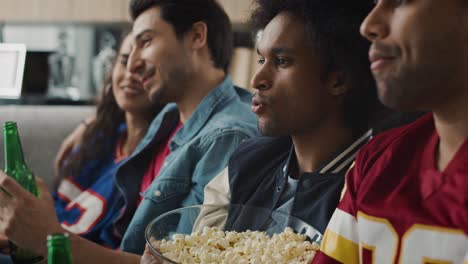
column 59, row 249
column 16, row 168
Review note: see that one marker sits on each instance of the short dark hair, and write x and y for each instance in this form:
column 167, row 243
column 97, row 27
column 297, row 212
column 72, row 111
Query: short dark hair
column 182, row 14
column 332, row 26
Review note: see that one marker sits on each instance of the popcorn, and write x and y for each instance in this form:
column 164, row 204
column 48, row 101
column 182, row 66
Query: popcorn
column 250, row 247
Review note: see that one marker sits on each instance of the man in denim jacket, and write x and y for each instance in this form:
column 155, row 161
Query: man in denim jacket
column 185, row 62
column 199, row 150
column 181, row 54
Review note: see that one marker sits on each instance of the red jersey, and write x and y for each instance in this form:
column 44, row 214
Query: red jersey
column 398, row 208
column 157, row 162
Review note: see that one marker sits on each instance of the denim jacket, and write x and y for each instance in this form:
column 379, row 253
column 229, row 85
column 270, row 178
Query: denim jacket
column 199, row 151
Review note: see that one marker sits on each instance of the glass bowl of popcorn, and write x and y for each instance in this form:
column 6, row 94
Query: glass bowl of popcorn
column 231, row 234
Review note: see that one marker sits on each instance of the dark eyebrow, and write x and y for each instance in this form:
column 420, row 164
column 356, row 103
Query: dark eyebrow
column 282, row 50
column 138, row 37
column 279, row 50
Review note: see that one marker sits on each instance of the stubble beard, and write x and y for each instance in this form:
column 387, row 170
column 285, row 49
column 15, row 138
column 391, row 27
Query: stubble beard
column 172, row 87
column 413, row 89
column 272, row 128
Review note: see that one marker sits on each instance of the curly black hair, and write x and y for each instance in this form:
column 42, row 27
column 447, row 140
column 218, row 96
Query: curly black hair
column 332, row 27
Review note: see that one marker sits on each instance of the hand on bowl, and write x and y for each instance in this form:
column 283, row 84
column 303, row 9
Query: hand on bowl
column 149, row 257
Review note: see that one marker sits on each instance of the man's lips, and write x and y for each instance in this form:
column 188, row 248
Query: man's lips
column 258, row 105
column 379, row 60
column 147, row 78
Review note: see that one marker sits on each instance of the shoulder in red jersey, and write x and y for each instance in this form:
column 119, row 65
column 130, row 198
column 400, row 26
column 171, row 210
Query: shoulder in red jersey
column 385, row 141
column 398, row 207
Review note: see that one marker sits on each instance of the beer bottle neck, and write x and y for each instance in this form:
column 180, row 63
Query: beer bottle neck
column 14, row 158
column 59, row 249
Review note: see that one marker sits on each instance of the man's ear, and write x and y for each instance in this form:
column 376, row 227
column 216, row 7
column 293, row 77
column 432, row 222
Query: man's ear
column 199, row 35
column 338, row 84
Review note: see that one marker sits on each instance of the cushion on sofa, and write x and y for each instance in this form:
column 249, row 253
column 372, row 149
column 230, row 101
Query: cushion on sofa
column 42, row 130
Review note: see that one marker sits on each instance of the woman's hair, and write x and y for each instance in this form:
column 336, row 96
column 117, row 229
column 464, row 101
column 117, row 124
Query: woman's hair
column 100, row 136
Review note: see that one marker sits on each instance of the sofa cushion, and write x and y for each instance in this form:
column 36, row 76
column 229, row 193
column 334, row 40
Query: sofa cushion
column 42, row 130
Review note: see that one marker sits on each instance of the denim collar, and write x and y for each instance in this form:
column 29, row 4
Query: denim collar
column 219, row 96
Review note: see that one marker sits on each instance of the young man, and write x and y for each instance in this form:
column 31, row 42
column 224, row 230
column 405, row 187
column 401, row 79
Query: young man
column 181, row 54
column 184, row 61
column 407, row 199
column 314, row 102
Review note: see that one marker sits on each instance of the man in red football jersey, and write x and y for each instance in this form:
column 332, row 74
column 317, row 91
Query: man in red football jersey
column 407, row 195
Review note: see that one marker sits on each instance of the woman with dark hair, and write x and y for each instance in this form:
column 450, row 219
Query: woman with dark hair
column 87, row 201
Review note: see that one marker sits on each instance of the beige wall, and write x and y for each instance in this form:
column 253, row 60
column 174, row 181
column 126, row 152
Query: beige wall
column 91, row 10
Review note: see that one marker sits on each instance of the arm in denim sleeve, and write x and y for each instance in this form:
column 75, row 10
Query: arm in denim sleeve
column 216, row 152
column 182, row 182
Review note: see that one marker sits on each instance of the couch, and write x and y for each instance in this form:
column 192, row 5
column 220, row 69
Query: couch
column 42, row 130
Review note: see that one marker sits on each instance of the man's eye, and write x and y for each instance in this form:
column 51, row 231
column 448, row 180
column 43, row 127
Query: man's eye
column 261, row 61
column 282, row 62
column 145, row 41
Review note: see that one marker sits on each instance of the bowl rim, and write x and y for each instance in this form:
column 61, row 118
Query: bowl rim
column 157, row 252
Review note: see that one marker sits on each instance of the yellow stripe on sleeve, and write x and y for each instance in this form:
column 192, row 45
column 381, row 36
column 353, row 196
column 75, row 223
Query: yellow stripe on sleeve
column 340, row 248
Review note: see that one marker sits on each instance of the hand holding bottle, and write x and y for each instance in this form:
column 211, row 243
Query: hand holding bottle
column 26, row 219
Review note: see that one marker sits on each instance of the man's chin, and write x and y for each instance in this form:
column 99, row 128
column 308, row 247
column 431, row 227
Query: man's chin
column 156, row 96
column 269, row 130
column 398, row 102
